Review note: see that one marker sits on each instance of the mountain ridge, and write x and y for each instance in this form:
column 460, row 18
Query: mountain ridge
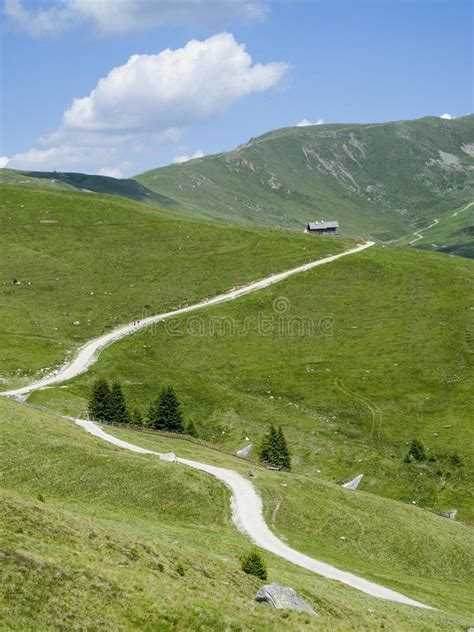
column 383, row 180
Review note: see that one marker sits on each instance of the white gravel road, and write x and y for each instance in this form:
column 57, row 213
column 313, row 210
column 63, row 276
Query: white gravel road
column 246, row 503
column 248, row 517
column 88, row 353
column 435, row 222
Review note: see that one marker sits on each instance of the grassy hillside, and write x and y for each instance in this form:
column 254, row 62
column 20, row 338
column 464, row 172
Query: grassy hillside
column 95, row 537
column 454, row 233
column 85, row 183
column 380, row 180
column 88, row 263
column 23, row 179
column 353, row 359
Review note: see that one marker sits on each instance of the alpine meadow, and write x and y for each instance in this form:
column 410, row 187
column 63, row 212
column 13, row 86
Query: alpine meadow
column 236, row 328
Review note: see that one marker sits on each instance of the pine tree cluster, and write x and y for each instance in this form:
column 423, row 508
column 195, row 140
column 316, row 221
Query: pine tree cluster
column 274, row 449
column 108, row 404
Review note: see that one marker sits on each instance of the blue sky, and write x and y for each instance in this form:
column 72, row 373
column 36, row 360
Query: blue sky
column 334, row 60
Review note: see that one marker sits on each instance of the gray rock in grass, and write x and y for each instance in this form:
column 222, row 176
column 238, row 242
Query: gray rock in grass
column 283, row 598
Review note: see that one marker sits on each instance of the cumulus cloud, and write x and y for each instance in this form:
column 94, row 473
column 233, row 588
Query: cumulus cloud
column 123, row 16
column 185, row 157
column 306, row 123
column 148, row 101
column 173, row 88
column 65, row 157
column 116, row 171
column 447, row 116
column 4, row 160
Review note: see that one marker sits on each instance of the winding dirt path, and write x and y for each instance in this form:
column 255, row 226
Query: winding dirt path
column 246, row 504
column 418, row 234
column 248, row 517
column 88, row 353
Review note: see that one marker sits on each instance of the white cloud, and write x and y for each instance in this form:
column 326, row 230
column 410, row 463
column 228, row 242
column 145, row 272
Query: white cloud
column 123, row 16
column 64, row 157
column 140, row 106
column 306, row 123
column 447, row 116
column 4, row 160
column 173, row 88
column 116, row 171
column 185, row 157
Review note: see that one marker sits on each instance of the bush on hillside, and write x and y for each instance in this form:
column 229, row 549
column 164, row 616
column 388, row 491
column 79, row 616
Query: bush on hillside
column 253, row 563
column 416, row 452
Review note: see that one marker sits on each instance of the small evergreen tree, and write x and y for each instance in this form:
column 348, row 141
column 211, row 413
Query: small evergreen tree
column 274, row 449
column 283, row 452
column 416, row 451
column 99, row 403
column 253, row 563
column 273, row 446
column 117, row 408
column 151, row 415
column 264, row 452
column 165, row 414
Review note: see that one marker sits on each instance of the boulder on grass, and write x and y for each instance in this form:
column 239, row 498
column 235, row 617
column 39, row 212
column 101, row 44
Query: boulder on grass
column 283, row 598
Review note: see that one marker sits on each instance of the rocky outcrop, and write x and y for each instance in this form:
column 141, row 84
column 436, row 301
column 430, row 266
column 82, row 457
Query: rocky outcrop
column 283, row 598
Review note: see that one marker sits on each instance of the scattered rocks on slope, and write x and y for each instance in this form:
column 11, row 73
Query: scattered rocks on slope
column 283, row 598
column 452, row 514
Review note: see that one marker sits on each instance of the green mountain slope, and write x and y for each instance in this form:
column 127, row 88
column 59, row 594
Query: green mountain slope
column 85, row 183
column 87, row 263
column 453, row 234
column 94, row 537
column 353, row 359
column 380, row 180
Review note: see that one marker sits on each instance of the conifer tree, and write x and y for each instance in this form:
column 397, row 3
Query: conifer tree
column 152, row 415
column 264, row 449
column 166, row 413
column 284, row 453
column 273, row 446
column 416, row 451
column 99, row 404
column 253, row 563
column 274, row 449
column 117, row 408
